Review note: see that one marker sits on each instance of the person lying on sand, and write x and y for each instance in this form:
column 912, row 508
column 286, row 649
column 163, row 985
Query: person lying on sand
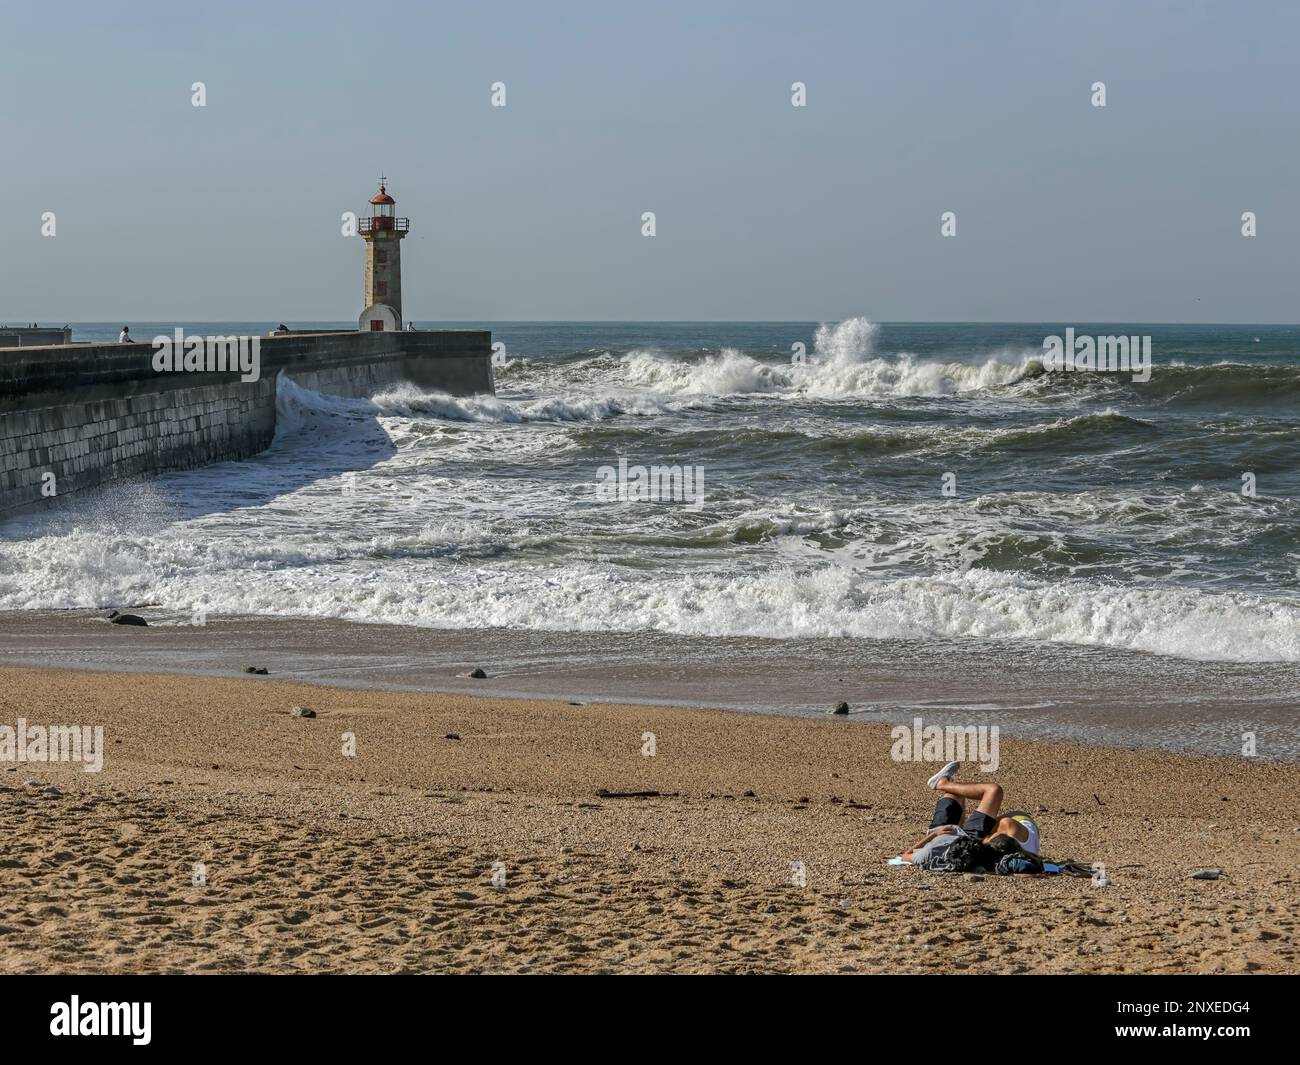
column 991, row 838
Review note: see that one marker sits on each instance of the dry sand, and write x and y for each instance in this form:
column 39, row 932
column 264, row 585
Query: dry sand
column 383, row 862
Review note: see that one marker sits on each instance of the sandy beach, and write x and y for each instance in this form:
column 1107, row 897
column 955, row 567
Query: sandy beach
column 313, row 860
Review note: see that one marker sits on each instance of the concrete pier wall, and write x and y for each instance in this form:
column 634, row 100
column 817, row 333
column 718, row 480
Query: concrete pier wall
column 25, row 336
column 75, row 418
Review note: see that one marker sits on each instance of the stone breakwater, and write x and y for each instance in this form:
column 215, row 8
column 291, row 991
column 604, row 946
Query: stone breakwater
column 75, row 417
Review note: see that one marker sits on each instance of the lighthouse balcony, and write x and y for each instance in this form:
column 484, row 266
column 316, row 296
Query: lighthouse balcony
column 379, row 223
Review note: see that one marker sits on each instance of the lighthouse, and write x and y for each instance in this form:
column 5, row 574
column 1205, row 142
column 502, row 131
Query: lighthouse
column 383, row 233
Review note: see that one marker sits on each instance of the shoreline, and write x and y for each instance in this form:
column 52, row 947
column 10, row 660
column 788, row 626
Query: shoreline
column 382, row 861
column 1095, row 696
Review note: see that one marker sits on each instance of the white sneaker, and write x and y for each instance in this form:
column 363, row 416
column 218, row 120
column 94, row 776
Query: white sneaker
column 950, row 770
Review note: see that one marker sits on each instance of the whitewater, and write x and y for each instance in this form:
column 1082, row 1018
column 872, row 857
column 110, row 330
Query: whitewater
column 1088, row 510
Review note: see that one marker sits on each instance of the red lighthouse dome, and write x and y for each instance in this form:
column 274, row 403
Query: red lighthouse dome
column 383, row 217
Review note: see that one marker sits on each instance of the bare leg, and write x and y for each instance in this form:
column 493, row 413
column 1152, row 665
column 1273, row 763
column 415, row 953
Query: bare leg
column 988, row 796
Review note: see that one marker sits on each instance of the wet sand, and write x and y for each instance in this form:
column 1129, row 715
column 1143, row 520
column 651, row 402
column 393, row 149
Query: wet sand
column 1046, row 691
column 317, row 860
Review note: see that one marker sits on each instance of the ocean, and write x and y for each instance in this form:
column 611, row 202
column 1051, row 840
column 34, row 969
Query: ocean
column 1082, row 509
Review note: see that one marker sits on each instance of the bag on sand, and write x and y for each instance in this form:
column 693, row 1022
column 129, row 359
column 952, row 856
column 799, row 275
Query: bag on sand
column 1011, row 864
column 957, row 857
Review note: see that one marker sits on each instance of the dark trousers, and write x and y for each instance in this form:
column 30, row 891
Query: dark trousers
column 947, row 811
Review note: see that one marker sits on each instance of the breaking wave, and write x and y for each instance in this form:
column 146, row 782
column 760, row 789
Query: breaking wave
column 86, row 570
column 1089, row 509
column 841, row 366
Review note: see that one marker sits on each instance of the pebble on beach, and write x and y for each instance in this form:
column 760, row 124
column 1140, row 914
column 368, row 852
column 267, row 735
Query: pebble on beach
column 841, row 708
column 704, row 870
column 303, row 711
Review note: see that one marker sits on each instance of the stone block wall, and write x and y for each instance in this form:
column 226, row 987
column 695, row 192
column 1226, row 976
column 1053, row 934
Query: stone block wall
column 91, row 414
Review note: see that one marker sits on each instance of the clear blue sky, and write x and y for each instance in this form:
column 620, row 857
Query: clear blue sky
column 1065, row 212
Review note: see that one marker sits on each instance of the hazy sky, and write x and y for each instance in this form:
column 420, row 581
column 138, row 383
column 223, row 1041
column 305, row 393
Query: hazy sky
column 1065, row 212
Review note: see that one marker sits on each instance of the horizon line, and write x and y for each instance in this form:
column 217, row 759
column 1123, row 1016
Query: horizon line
column 670, row 321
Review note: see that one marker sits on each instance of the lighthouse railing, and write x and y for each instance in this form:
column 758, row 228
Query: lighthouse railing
column 378, row 223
